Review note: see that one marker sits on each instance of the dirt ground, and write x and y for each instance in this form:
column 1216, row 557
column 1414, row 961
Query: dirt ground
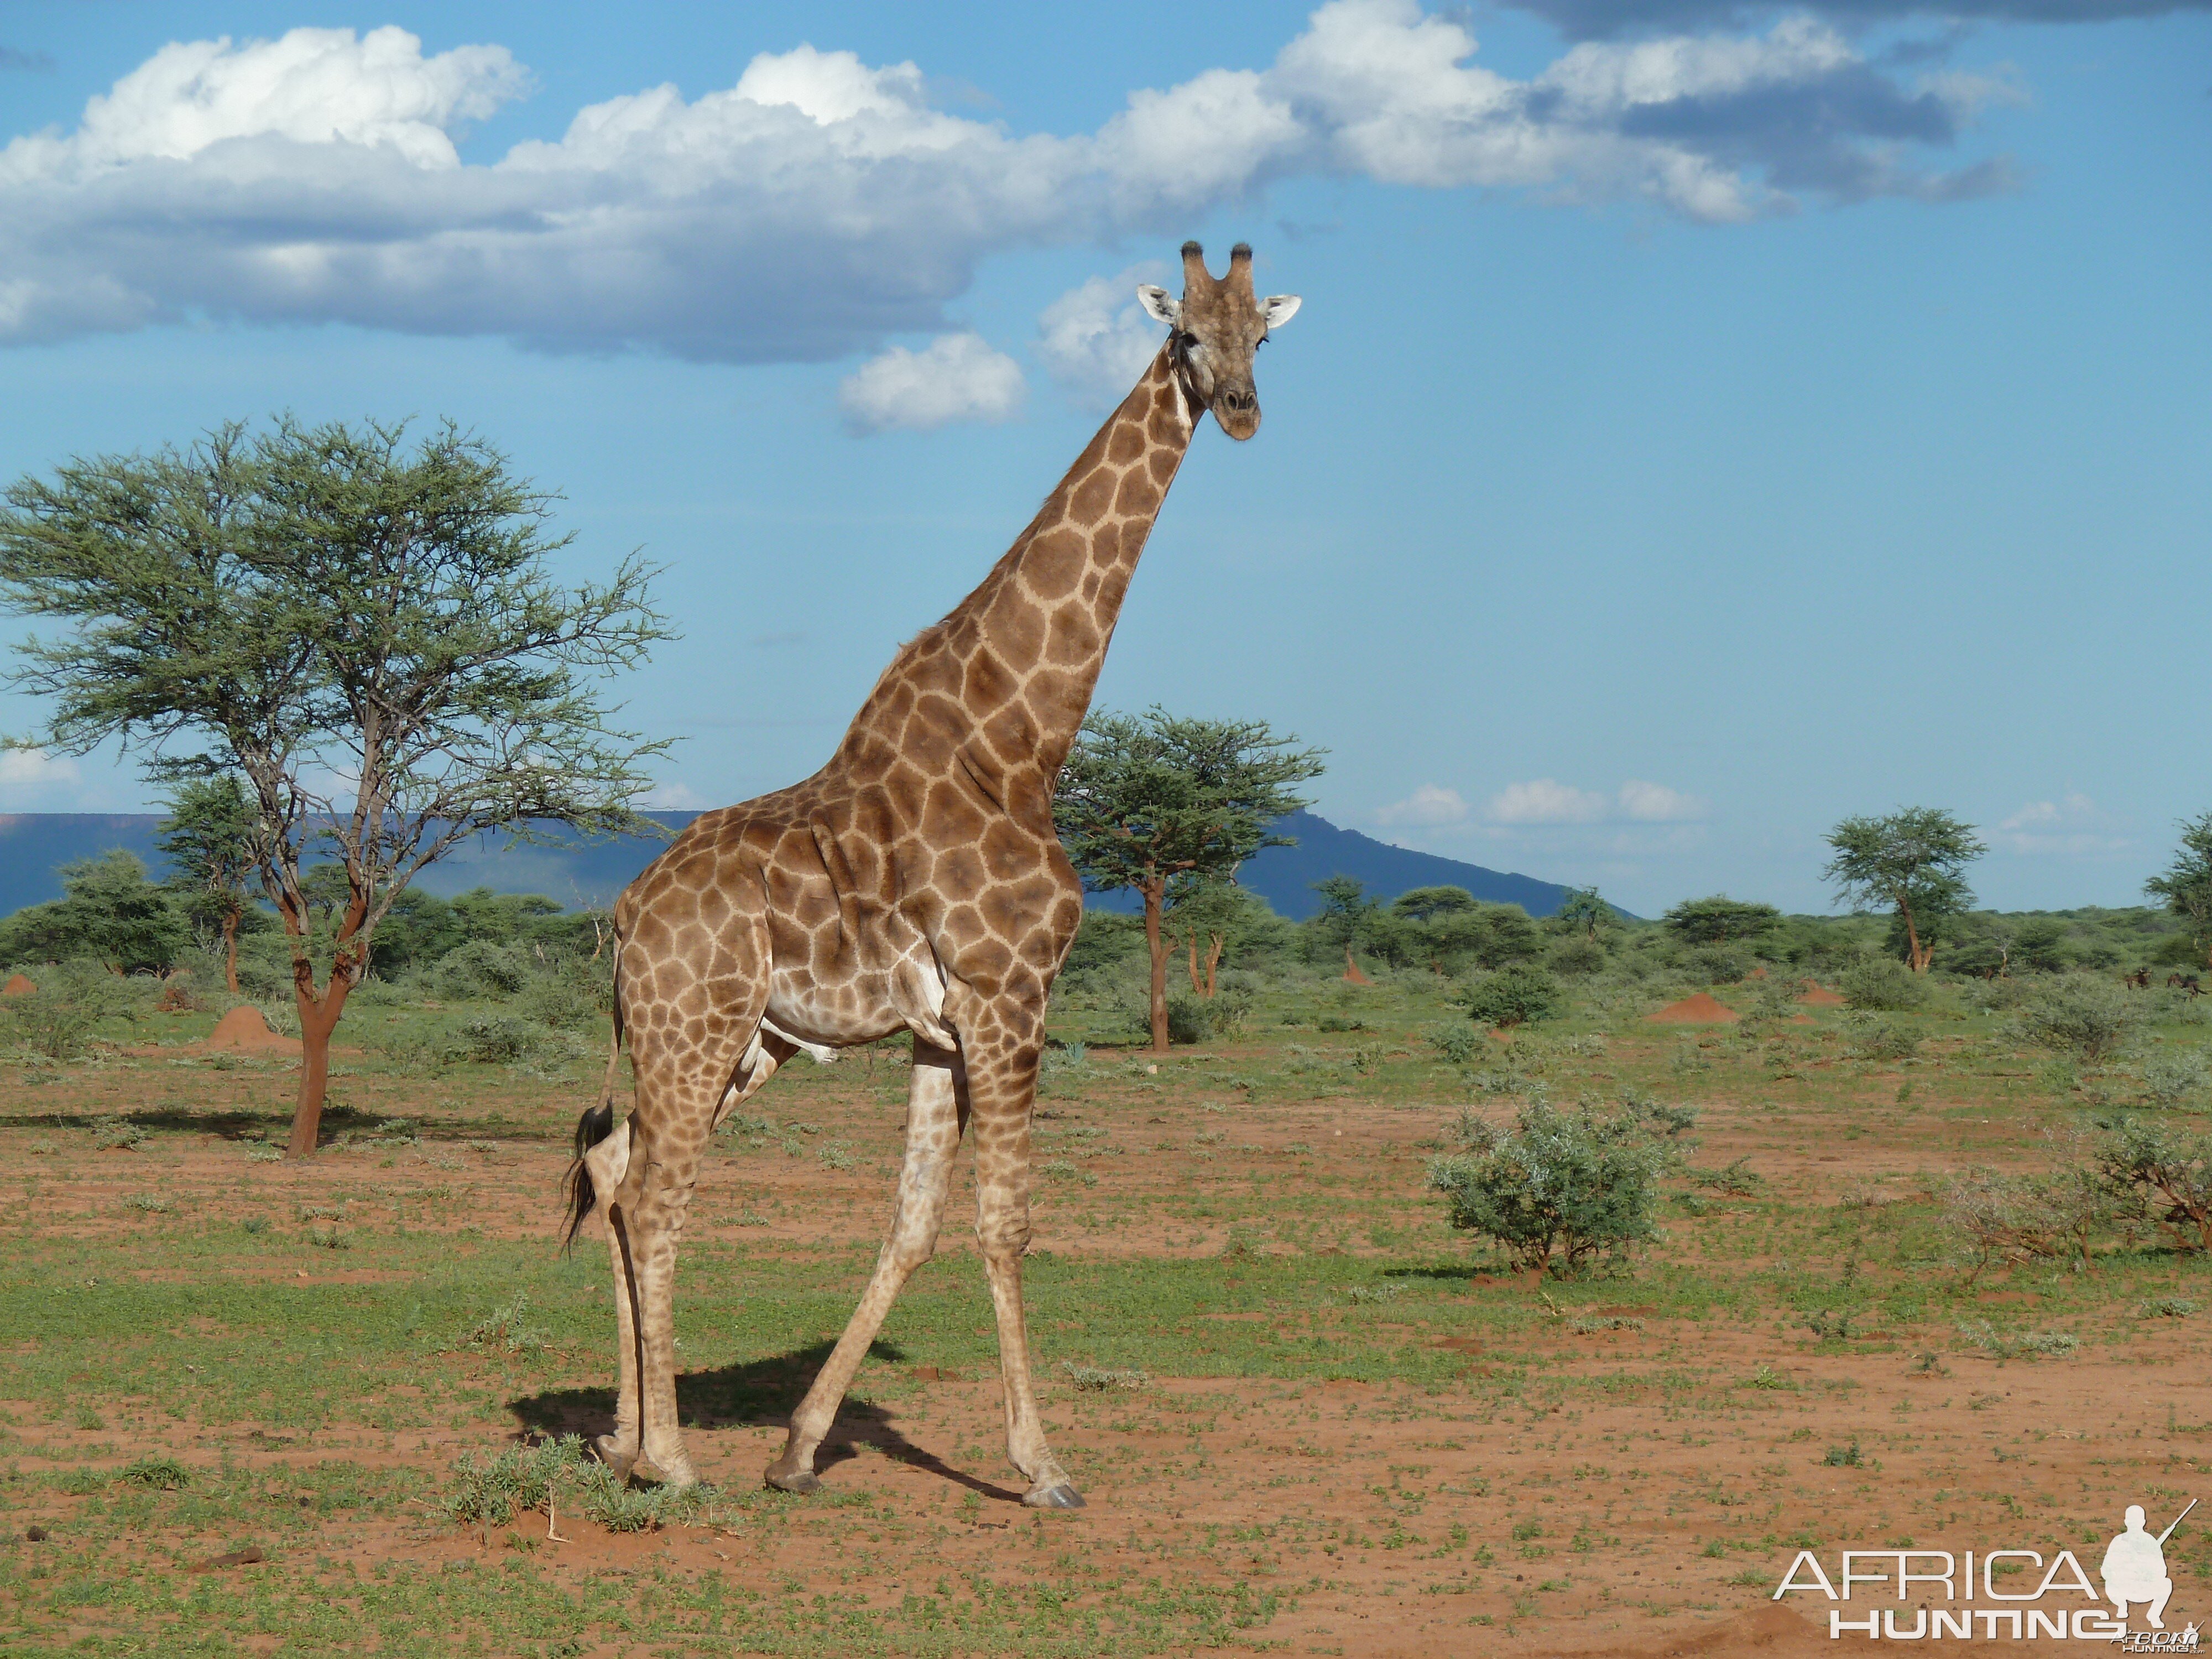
column 1593, row 1470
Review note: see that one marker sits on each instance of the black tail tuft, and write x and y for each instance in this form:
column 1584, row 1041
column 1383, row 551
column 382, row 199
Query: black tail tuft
column 596, row 1123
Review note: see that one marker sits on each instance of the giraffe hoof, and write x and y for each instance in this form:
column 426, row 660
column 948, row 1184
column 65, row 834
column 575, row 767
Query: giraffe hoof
column 799, row 1481
column 1061, row 1497
column 611, row 1453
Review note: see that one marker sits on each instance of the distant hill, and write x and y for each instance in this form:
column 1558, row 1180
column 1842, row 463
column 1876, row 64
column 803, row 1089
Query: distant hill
column 33, row 845
column 1284, row 876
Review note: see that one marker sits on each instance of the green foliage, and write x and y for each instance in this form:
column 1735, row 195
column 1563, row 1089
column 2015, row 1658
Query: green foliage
column 1882, row 985
column 1515, row 994
column 2186, row 885
column 2084, row 1016
column 211, row 839
column 2171, row 1077
column 1912, row 863
column 161, row 1472
column 368, row 637
column 1556, row 1191
column 479, row 969
column 109, row 911
column 1145, row 799
column 1720, row 919
column 2164, row 1174
column 1882, row 1039
column 2000, row 1218
column 1583, row 911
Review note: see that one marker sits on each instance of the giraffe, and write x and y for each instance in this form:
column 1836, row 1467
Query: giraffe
column 913, row 883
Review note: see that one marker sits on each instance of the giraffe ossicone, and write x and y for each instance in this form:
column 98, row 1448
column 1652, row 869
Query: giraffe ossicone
column 914, row 883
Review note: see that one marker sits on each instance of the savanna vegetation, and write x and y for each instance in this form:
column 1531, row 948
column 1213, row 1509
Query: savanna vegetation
column 1424, row 1276
column 1464, row 1302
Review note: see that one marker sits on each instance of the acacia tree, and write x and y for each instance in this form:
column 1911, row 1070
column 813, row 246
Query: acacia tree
column 2186, row 886
column 1912, row 863
column 1720, row 919
column 1164, row 805
column 211, row 839
column 368, row 637
column 1584, row 908
column 1347, row 914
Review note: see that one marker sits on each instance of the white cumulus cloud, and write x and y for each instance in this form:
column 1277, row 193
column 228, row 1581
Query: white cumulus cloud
column 1654, row 803
column 1428, row 805
column 1546, row 800
column 820, row 203
column 1095, row 340
column 2070, row 825
column 25, row 773
column 958, row 377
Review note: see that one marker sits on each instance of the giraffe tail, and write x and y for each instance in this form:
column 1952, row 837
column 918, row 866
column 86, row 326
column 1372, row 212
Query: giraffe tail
column 596, row 1123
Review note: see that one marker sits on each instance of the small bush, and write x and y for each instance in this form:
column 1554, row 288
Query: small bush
column 1882, row 985
column 161, row 1473
column 1455, row 1041
column 504, row 1328
column 1383, row 1293
column 1578, row 958
column 118, row 1135
column 1187, row 1020
column 1882, row 1039
column 2164, row 1177
column 1734, row 1179
column 1717, row 964
column 2169, row 1307
column 1557, row 1191
column 492, row 1491
column 2084, row 1015
column 1092, row 1379
column 2002, row 1218
column 479, row 970
column 1515, row 994
column 1842, row 1457
column 500, row 1039
column 2175, row 1075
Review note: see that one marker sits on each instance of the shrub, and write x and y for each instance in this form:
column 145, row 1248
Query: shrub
column 1457, row 1043
column 2085, row 1016
column 1882, row 1039
column 162, row 1472
column 1575, row 957
column 1717, row 964
column 2173, row 1075
column 498, row 1039
column 1187, row 1020
column 1557, row 1191
column 1882, row 985
column 1513, row 995
column 492, row 1491
column 479, row 969
column 2164, row 1176
column 2006, row 1219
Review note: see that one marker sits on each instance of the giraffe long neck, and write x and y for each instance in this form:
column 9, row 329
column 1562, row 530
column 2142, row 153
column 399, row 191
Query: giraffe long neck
column 1006, row 678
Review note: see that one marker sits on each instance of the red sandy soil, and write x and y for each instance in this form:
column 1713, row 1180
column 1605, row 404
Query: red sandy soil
column 17, row 986
column 1820, row 996
column 1699, row 1009
column 243, row 1027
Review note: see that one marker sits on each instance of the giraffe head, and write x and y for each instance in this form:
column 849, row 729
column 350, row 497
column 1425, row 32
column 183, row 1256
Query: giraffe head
column 1217, row 326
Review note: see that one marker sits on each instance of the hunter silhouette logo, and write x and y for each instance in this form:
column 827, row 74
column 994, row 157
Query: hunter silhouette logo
column 2063, row 1604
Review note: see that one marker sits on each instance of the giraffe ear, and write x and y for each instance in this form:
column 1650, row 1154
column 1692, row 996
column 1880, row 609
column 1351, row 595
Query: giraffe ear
column 1159, row 305
column 1279, row 308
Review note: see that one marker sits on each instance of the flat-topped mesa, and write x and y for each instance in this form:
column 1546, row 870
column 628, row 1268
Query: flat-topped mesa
column 1007, row 677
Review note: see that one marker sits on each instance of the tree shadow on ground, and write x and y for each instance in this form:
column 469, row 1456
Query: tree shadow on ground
column 761, row 1393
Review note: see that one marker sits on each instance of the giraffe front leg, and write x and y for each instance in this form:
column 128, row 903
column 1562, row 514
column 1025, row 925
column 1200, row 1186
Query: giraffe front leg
column 932, row 1137
column 1002, row 1229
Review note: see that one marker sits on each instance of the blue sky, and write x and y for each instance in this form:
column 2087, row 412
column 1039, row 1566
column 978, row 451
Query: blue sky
column 1703, row 421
